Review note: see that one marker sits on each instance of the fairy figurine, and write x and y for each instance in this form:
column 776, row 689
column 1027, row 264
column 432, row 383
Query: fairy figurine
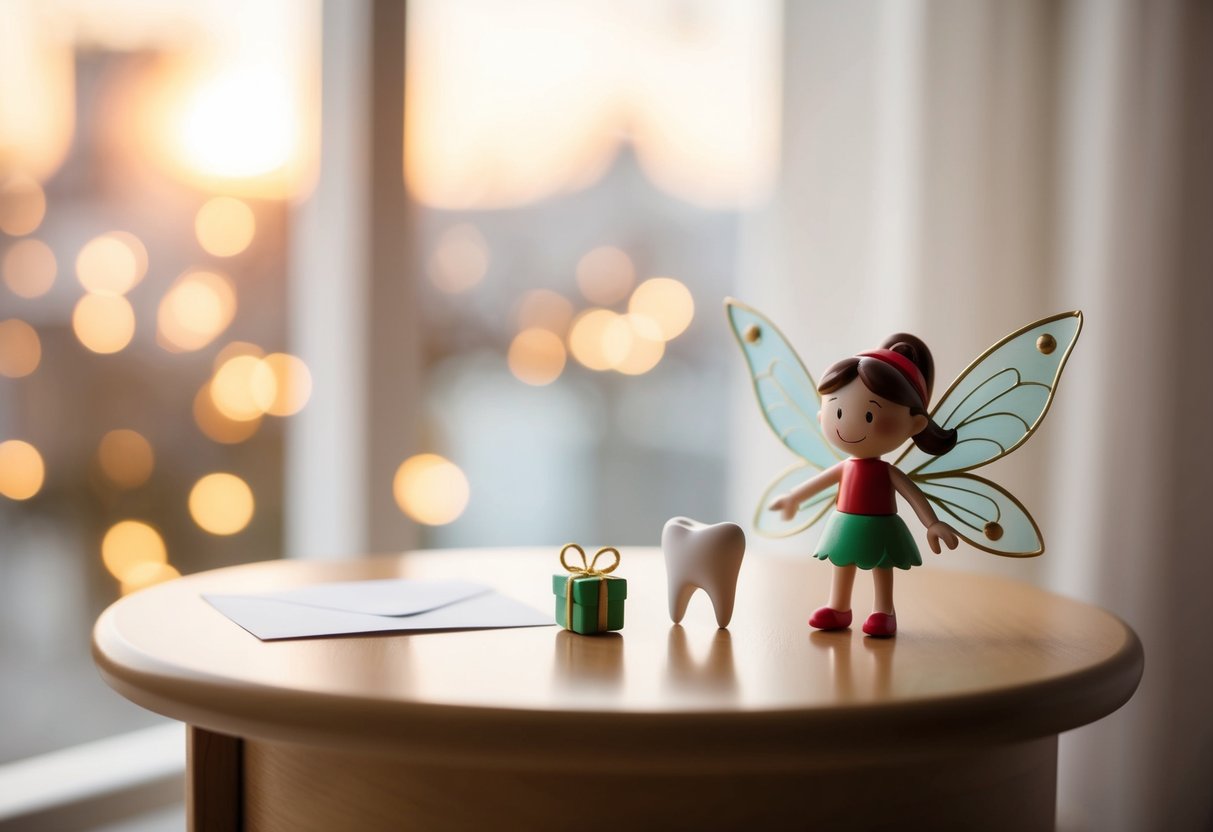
column 869, row 405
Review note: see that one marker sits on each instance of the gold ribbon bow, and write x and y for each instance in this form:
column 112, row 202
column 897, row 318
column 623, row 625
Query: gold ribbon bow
column 587, row 570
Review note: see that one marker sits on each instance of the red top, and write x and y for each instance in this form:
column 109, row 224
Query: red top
column 866, row 487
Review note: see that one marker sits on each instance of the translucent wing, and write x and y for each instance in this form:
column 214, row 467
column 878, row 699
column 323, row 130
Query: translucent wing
column 771, row 523
column 786, row 392
column 984, row 514
column 1001, row 398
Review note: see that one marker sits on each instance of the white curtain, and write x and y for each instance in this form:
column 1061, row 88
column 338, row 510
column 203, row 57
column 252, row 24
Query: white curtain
column 956, row 169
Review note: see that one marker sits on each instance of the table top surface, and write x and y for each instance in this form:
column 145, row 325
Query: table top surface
column 976, row 659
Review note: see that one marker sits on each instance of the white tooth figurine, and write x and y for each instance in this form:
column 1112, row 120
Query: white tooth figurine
column 699, row 556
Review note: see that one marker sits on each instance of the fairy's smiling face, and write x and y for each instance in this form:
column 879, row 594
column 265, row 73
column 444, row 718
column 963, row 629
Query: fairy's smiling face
column 865, row 425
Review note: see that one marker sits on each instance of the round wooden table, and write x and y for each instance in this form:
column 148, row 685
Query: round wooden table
column 766, row 725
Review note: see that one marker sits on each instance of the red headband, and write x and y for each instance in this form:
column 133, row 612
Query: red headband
column 903, row 365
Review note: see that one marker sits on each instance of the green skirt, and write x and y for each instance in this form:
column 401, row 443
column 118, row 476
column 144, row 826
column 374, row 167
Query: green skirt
column 869, row 541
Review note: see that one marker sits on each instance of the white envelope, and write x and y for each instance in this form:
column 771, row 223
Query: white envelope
column 375, row 607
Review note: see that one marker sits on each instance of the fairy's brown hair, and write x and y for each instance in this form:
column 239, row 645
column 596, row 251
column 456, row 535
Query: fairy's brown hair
column 887, row 381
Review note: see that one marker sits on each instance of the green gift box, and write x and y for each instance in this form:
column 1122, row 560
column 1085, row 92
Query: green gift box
column 586, row 606
column 587, row 599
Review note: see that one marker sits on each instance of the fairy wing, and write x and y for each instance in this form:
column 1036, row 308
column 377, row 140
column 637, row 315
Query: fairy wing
column 995, row 405
column 789, row 402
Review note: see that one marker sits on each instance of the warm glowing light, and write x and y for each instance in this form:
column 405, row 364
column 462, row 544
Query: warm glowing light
column 194, row 311
column 130, row 545
column 536, row 356
column 29, row 268
column 126, row 458
column 221, row 503
column 21, row 470
column 634, row 344
column 244, row 388
column 665, row 301
column 37, row 89
column 293, row 384
column 103, row 323
column 586, row 338
column 20, row 349
column 142, row 575
column 430, row 489
column 545, row 309
column 218, row 427
column 111, row 263
column 460, row 259
column 22, row 205
column 225, row 226
column 234, row 349
column 605, row 275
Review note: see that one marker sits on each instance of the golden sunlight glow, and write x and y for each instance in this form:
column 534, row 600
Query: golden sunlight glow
column 194, row 311
column 129, row 545
column 293, row 384
column 225, row 226
column 111, row 263
column 536, row 356
column 605, row 275
column 430, row 489
column 243, row 388
column 587, row 337
column 20, row 348
column 695, row 92
column 217, row 427
column 126, row 458
column 37, row 89
column 460, row 259
column 665, row 301
column 29, row 268
column 103, row 323
column 22, row 205
column 21, row 470
column 142, row 575
column 221, row 504
column 545, row 309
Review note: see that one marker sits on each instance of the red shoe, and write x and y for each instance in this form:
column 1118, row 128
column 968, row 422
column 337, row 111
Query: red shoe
column 828, row 618
column 881, row 625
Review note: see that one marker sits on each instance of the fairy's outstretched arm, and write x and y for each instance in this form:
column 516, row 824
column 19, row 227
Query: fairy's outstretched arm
column 937, row 530
column 790, row 502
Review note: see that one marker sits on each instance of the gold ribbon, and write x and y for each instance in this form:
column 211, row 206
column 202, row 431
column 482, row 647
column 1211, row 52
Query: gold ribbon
column 587, row 570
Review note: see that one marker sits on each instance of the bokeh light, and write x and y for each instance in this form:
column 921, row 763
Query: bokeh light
column 111, row 263
column 431, row 489
column 22, row 205
column 605, row 275
column 293, row 384
column 130, row 545
column 633, row 344
column 194, row 311
column 103, row 323
column 244, row 388
column 221, row 503
column 233, row 349
column 586, row 338
column 21, row 470
column 20, row 348
column 126, row 458
column 217, row 427
column 460, row 259
column 545, row 309
column 225, row 226
column 142, row 575
column 29, row 268
column 665, row 301
column 536, row 356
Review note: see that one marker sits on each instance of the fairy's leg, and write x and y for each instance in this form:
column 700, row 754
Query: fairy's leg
column 840, row 589
column 882, row 580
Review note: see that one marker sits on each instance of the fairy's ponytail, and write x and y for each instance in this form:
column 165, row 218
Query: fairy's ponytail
column 933, row 439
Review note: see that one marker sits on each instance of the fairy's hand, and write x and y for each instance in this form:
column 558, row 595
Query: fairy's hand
column 938, row 531
column 786, row 505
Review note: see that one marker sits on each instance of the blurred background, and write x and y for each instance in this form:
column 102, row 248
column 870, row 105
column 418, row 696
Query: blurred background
column 294, row 278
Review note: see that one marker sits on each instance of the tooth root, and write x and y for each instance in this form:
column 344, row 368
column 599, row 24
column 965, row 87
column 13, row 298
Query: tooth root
column 701, row 556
